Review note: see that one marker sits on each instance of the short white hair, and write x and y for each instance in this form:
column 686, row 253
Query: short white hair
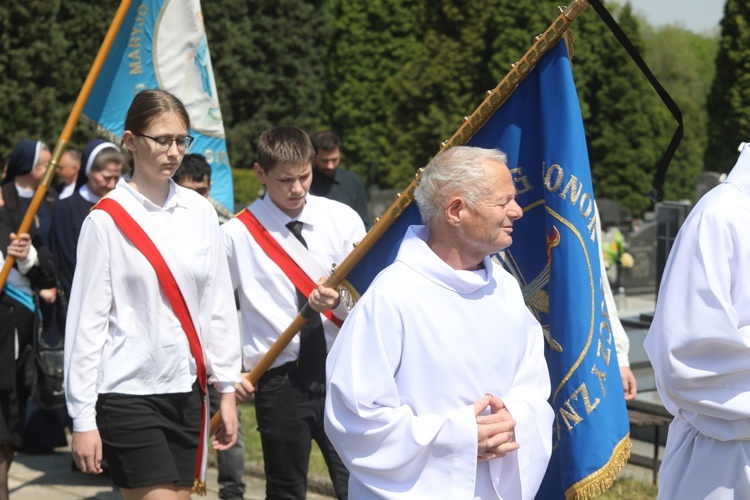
column 457, row 171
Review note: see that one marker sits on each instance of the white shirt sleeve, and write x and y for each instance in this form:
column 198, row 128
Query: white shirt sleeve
column 223, row 344
column 86, row 327
column 622, row 342
column 527, row 404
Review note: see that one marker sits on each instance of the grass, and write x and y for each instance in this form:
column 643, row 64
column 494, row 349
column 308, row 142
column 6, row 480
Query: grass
column 631, row 489
column 624, row 487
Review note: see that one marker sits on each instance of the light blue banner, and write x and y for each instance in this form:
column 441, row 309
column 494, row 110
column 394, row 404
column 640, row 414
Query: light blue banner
column 162, row 44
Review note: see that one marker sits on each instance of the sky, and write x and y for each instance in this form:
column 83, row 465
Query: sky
column 698, row 16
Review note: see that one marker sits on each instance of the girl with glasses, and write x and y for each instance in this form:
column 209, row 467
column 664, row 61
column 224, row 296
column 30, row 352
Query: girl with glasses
column 137, row 359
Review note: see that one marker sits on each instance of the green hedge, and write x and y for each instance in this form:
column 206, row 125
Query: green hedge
column 246, row 187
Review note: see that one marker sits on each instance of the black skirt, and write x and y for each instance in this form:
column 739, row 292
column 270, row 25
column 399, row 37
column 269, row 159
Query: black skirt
column 152, row 439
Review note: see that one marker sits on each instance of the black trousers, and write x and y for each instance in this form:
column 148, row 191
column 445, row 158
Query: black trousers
column 290, row 417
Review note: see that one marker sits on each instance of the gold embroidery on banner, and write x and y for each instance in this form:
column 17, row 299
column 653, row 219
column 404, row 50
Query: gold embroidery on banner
column 554, row 178
column 519, row 177
column 602, row 377
column 540, row 302
column 569, row 413
column 590, row 334
column 533, row 205
column 135, row 66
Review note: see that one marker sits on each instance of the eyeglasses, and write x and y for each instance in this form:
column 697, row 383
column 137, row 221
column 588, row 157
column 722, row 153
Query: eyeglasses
column 164, row 142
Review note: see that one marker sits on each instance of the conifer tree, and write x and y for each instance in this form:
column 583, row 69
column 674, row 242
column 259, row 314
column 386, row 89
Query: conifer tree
column 47, row 51
column 626, row 128
column 729, row 100
column 403, row 75
column 684, row 64
column 268, row 64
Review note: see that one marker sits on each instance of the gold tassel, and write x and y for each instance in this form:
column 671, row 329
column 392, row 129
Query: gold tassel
column 199, row 487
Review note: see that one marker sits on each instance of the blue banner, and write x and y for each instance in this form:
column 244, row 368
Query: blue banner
column 162, row 44
column 555, row 257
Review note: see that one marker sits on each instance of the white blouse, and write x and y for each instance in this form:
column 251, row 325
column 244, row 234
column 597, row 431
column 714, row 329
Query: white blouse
column 122, row 335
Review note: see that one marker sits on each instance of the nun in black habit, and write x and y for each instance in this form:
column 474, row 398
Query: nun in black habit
column 33, row 270
column 101, row 167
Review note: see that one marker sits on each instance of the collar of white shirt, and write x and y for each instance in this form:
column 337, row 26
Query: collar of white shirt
column 174, row 198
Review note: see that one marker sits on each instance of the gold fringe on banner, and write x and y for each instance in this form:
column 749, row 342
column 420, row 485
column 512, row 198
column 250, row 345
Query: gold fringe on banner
column 601, row 480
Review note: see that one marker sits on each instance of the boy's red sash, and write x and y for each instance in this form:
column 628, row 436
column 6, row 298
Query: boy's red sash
column 291, row 269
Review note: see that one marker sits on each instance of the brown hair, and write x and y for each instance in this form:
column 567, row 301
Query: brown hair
column 327, row 140
column 149, row 106
column 284, row 145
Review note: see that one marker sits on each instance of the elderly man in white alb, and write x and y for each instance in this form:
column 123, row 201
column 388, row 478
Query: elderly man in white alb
column 437, row 382
column 699, row 345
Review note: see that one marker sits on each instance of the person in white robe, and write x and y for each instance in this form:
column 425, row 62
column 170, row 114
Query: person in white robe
column 437, row 383
column 622, row 341
column 699, row 345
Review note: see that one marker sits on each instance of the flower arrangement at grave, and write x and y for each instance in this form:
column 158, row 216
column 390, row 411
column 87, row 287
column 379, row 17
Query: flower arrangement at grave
column 615, row 252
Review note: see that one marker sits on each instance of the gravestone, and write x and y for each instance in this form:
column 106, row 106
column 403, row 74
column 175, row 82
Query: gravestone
column 611, row 213
column 379, row 200
column 706, row 181
column 669, row 216
column 642, row 244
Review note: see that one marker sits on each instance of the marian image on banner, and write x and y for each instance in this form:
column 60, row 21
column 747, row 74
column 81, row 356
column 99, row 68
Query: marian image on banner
column 183, row 65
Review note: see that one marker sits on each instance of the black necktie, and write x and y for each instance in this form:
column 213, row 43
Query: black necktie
column 311, row 363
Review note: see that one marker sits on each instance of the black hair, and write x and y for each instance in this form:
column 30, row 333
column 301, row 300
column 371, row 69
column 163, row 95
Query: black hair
column 327, row 140
column 194, row 167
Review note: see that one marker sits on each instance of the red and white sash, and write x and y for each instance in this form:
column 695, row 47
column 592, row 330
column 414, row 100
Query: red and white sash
column 146, row 246
column 300, row 269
